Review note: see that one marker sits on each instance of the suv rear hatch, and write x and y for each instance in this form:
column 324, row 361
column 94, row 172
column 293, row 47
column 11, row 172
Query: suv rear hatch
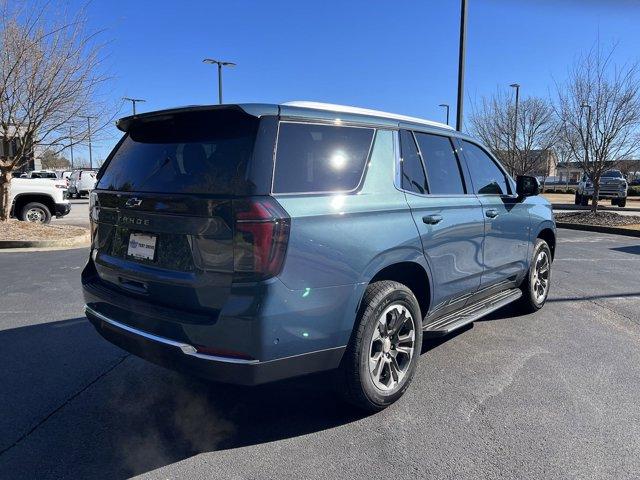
column 177, row 216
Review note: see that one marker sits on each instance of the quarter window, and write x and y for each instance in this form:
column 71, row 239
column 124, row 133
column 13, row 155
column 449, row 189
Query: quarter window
column 486, row 176
column 320, row 158
column 413, row 177
column 441, row 163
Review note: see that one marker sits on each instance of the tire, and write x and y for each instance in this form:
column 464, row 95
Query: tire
column 578, row 199
column 531, row 300
column 36, row 212
column 383, row 304
column 584, row 200
column 622, row 202
column 614, row 202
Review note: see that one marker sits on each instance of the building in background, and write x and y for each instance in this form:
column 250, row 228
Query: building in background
column 9, row 147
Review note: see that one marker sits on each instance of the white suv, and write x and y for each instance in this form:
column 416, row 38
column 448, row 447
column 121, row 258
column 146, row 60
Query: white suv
column 81, row 182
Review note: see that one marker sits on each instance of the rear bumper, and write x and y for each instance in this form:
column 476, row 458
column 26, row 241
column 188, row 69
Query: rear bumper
column 62, row 209
column 184, row 357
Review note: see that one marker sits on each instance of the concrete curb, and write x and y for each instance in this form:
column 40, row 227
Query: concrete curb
column 570, row 206
column 599, row 229
column 63, row 243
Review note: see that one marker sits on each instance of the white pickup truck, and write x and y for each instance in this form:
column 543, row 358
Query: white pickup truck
column 37, row 200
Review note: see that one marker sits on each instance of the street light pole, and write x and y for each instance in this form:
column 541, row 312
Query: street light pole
column 445, row 105
column 515, row 121
column 133, row 102
column 71, row 145
column 461, row 54
column 89, row 138
column 220, row 64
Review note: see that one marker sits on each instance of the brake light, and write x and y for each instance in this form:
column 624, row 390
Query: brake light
column 260, row 238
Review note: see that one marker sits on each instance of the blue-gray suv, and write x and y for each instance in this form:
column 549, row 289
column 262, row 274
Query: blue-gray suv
column 251, row 243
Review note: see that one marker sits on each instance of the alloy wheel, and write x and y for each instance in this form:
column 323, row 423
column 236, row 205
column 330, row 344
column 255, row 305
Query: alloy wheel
column 35, row 215
column 540, row 283
column 392, row 347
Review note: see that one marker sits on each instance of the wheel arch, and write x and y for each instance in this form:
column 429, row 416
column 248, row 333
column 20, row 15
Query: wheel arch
column 411, row 270
column 547, row 233
column 22, row 199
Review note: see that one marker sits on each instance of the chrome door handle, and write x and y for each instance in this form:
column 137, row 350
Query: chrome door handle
column 432, row 219
column 491, row 213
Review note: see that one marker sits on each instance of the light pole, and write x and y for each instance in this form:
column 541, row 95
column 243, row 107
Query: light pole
column 445, row 105
column 461, row 53
column 586, row 147
column 515, row 121
column 71, row 145
column 133, row 102
column 220, row 64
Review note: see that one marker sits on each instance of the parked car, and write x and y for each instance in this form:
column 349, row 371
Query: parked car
column 81, row 182
column 251, row 243
column 38, row 199
column 612, row 186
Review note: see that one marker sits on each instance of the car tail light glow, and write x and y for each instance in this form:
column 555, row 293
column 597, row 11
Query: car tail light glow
column 261, row 234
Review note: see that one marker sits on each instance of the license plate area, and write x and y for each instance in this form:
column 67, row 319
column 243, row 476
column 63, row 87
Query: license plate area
column 142, row 246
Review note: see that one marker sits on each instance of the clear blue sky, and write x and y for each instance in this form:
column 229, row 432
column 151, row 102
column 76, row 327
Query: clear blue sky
column 394, row 55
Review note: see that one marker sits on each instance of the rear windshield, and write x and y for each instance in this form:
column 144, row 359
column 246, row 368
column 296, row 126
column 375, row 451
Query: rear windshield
column 192, row 152
column 320, row 158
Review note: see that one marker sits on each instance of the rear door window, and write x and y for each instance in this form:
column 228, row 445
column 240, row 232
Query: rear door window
column 487, row 177
column 413, row 177
column 443, row 169
column 201, row 152
column 320, row 158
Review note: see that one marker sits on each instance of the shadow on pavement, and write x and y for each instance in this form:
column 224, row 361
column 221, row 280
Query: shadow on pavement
column 77, row 407
column 632, row 249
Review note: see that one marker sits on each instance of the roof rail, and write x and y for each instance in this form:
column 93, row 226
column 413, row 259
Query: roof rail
column 364, row 111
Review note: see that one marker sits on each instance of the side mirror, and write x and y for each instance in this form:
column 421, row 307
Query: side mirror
column 527, row 186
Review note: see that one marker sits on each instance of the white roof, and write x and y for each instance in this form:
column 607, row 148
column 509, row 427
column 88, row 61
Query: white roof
column 364, row 111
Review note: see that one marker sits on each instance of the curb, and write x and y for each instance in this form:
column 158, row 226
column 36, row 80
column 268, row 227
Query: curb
column 569, row 206
column 63, row 243
column 599, row 229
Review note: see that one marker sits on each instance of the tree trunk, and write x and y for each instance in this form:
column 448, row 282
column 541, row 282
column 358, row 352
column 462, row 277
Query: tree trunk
column 5, row 186
column 594, row 201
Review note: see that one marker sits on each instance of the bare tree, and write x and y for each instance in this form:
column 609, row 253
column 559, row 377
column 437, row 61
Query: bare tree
column 599, row 111
column 50, row 81
column 535, row 132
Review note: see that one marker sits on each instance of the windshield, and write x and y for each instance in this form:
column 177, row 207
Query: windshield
column 612, row 174
column 190, row 152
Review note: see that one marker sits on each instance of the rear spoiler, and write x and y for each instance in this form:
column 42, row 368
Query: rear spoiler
column 254, row 109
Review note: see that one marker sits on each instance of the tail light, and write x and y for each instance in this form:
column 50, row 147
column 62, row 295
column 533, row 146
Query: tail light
column 260, row 238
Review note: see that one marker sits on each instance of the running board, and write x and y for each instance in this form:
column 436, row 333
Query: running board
column 471, row 313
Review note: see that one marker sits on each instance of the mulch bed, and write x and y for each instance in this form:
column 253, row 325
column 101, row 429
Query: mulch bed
column 16, row 230
column 607, row 219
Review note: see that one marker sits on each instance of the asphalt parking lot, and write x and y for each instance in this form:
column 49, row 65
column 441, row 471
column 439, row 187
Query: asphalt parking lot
column 549, row 395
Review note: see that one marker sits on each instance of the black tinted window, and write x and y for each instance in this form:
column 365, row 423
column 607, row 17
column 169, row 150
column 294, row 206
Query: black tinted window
column 191, row 152
column 486, row 176
column 441, row 163
column 320, row 158
column 413, row 177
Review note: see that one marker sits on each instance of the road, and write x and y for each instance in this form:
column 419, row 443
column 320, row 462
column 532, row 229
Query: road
column 549, row 395
column 78, row 216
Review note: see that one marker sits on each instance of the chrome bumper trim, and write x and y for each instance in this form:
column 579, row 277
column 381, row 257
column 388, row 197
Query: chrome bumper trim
column 184, row 347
